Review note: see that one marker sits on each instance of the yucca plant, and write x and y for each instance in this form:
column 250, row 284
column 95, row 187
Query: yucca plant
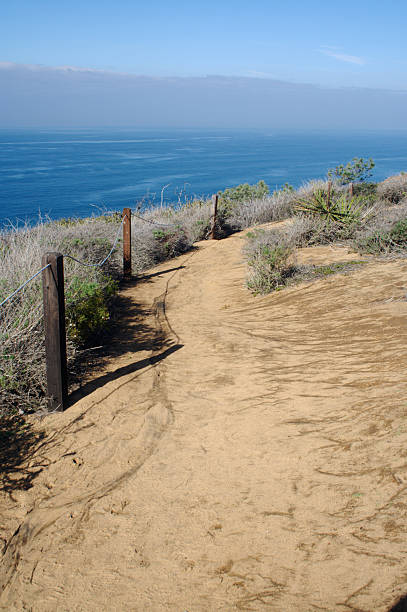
column 339, row 209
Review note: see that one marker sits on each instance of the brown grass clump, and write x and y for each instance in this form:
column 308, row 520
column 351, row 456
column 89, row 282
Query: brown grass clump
column 393, row 189
column 267, row 254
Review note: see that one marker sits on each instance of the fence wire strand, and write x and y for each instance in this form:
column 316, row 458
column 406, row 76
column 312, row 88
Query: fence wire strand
column 95, row 265
column 133, row 214
column 23, row 285
column 83, row 263
column 100, row 263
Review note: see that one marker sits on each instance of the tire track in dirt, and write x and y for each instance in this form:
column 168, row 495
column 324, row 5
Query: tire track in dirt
column 281, row 483
column 156, row 422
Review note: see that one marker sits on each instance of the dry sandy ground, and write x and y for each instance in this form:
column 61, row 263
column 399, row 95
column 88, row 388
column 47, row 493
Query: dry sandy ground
column 250, row 455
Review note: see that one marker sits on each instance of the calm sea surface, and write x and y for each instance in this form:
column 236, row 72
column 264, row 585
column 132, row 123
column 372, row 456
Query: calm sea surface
column 69, row 173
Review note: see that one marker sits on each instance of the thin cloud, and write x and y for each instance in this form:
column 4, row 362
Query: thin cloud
column 261, row 75
column 61, row 69
column 73, row 98
column 343, row 57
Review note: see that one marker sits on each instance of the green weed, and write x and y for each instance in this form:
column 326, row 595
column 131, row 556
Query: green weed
column 87, row 311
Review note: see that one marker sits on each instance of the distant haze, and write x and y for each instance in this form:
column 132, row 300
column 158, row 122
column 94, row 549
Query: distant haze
column 38, row 96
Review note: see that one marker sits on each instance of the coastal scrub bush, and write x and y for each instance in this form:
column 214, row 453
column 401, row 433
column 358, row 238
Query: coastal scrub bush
column 87, row 311
column 171, row 242
column 380, row 241
column 356, row 170
column 311, row 231
column 367, row 190
column 152, row 245
column 393, row 189
column 194, row 217
column 242, row 193
column 275, row 207
column 267, row 255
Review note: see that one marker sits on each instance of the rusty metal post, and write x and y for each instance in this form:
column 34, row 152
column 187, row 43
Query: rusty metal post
column 55, row 335
column 127, row 242
column 215, row 216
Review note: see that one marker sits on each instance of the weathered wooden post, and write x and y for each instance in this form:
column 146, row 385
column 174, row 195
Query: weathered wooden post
column 215, row 216
column 351, row 190
column 127, row 243
column 328, row 196
column 55, row 335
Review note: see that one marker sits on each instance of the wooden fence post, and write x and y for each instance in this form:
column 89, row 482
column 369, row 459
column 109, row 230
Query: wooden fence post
column 55, row 336
column 127, row 243
column 351, row 190
column 328, row 197
column 215, row 216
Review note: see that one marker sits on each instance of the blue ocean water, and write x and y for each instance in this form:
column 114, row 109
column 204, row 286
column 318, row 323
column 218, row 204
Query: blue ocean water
column 76, row 172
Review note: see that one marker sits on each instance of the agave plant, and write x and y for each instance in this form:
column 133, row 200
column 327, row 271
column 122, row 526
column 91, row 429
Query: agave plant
column 340, row 209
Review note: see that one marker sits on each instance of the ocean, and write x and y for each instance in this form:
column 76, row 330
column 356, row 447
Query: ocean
column 76, row 173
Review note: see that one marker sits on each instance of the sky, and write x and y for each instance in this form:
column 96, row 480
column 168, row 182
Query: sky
column 169, row 48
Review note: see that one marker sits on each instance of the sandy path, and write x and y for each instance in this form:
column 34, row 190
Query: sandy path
column 256, row 459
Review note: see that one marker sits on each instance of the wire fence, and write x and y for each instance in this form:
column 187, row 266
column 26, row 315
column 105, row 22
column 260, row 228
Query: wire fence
column 90, row 265
column 100, row 263
column 52, row 272
column 83, row 263
column 53, row 283
column 133, row 214
column 9, row 297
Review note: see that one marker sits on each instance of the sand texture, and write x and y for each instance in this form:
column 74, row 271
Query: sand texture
column 238, row 452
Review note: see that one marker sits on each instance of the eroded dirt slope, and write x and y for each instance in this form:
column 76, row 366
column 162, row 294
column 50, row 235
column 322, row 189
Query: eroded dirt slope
column 251, row 455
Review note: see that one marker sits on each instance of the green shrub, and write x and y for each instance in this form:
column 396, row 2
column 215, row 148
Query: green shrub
column 356, row 170
column 373, row 244
column 286, row 188
column 91, row 248
column 87, row 311
column 267, row 255
column 380, row 241
column 242, row 193
column 69, row 221
column 368, row 191
column 171, row 242
column 398, row 233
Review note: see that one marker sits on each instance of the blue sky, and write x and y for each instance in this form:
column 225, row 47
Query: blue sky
column 348, row 43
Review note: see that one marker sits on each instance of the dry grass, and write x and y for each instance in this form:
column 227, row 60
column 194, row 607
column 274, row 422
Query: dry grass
column 268, row 256
column 393, row 189
column 379, row 229
column 22, row 367
column 158, row 234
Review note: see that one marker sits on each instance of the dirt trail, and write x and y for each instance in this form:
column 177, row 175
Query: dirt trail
column 251, row 455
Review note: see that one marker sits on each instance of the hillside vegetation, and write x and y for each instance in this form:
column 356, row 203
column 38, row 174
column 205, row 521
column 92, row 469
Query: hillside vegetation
column 372, row 219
